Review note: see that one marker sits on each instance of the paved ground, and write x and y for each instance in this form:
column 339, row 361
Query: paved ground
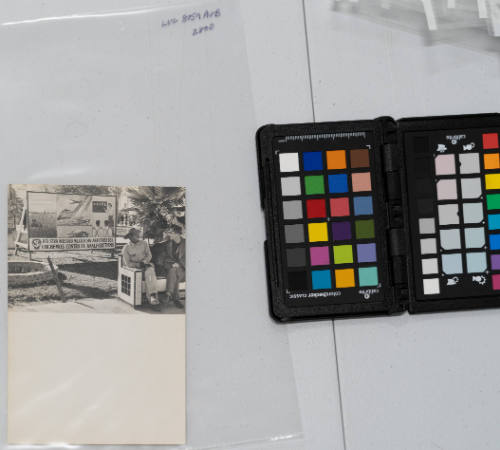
column 89, row 285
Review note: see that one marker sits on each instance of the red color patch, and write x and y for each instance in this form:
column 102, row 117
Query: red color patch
column 315, row 208
column 490, row 140
column 339, row 207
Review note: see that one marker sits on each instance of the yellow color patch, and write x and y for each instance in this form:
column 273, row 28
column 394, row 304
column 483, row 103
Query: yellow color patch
column 492, row 181
column 318, row 232
column 491, row 161
column 344, row 278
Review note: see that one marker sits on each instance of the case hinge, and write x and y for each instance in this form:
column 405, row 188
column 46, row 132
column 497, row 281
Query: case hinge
column 396, row 240
column 391, row 158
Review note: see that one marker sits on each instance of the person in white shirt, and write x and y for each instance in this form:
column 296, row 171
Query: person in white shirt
column 109, row 232
column 137, row 255
column 98, row 231
column 108, row 228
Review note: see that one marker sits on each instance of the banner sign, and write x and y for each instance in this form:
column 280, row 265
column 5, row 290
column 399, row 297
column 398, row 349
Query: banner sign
column 63, row 222
column 57, row 244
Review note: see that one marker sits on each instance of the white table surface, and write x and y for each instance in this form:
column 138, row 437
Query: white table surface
column 406, row 382
column 409, row 382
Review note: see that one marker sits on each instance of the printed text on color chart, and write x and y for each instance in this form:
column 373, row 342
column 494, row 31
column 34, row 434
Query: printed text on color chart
column 195, row 18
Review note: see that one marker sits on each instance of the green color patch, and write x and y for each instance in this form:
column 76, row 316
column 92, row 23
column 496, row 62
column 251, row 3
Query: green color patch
column 342, row 254
column 365, row 229
column 368, row 276
column 314, row 184
column 493, row 201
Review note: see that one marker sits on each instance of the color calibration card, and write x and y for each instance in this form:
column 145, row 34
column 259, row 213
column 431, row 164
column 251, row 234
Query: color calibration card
column 328, row 209
column 454, row 182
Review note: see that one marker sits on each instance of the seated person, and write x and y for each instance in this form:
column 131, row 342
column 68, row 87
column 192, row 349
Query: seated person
column 136, row 255
column 169, row 255
column 176, row 273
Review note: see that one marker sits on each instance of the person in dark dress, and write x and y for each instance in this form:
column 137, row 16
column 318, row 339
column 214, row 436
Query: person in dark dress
column 169, row 255
column 176, row 273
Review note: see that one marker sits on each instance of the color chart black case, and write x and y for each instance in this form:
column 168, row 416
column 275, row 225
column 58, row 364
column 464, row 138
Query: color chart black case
column 381, row 216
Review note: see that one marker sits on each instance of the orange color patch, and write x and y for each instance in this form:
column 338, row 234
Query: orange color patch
column 491, row 161
column 335, row 159
column 344, row 278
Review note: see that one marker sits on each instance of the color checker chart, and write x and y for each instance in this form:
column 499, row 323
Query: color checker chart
column 328, row 216
column 455, row 180
column 381, row 216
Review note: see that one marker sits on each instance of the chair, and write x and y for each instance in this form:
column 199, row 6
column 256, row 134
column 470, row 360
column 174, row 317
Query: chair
column 130, row 285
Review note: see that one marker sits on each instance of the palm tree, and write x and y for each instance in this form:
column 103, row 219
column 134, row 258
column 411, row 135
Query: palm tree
column 159, row 209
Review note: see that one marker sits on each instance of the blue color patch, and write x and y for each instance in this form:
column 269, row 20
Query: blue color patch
column 366, row 252
column 494, row 241
column 363, row 206
column 321, row 279
column 494, row 221
column 312, row 161
column 337, row 183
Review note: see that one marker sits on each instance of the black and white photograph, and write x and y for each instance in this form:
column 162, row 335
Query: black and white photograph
column 103, row 249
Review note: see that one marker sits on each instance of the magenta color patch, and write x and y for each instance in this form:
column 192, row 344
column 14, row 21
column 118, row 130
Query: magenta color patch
column 320, row 256
column 495, row 280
